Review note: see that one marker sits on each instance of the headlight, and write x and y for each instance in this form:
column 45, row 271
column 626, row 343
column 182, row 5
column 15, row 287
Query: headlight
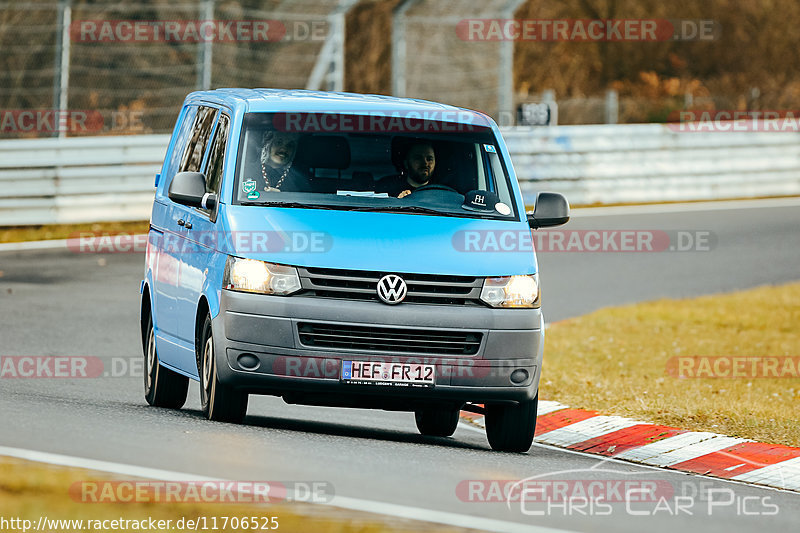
column 511, row 291
column 250, row 275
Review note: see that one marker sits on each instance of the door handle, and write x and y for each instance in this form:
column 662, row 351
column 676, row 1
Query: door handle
column 181, row 222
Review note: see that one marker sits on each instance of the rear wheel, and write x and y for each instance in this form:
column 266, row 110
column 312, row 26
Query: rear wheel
column 437, row 422
column 162, row 386
column 510, row 428
column 220, row 402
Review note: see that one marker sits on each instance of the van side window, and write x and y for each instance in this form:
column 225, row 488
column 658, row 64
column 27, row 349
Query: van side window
column 216, row 159
column 179, row 148
column 201, row 131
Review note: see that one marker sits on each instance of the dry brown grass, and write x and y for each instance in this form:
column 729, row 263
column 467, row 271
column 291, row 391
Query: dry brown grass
column 614, row 360
column 30, row 490
column 65, row 231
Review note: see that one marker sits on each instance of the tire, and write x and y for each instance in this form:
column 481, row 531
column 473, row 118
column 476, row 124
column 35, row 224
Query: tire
column 162, row 386
column 220, row 402
column 441, row 422
column 510, row 428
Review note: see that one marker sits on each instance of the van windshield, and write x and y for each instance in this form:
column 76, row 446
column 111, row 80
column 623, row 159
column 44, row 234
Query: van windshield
column 357, row 162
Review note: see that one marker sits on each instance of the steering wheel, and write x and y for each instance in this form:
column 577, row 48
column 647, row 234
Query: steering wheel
column 435, row 187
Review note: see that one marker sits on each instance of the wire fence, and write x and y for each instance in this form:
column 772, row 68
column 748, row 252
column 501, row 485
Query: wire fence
column 88, row 68
column 434, row 60
column 104, row 67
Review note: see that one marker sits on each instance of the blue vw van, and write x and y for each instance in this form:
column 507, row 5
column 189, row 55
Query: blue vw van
column 344, row 250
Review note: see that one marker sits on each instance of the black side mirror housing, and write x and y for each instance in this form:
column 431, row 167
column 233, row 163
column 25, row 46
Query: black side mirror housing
column 189, row 188
column 551, row 209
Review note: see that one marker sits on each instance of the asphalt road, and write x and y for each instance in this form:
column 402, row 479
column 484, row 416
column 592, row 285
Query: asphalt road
column 56, row 302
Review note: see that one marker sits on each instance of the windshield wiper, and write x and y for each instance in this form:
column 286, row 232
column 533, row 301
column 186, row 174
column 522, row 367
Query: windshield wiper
column 402, row 209
column 289, row 204
column 370, row 208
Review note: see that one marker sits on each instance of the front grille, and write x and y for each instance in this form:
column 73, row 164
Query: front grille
column 362, row 285
column 383, row 339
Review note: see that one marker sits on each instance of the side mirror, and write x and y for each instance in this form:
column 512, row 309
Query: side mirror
column 189, row 188
column 552, row 209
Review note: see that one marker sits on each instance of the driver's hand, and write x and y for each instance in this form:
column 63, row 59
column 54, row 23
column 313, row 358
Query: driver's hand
column 404, row 193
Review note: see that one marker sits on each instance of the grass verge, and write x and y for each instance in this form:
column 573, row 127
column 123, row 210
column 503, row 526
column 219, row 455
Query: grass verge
column 65, row 231
column 30, row 490
column 615, row 361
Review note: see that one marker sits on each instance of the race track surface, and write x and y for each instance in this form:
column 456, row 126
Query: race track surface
column 56, row 302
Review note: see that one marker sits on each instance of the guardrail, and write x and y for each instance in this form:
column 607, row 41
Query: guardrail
column 87, row 179
column 81, row 179
column 654, row 162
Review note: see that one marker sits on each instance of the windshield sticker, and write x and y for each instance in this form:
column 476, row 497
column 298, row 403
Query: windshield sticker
column 502, row 208
column 489, row 148
column 249, row 186
column 253, row 195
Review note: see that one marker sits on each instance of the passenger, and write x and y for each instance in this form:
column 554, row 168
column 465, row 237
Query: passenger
column 277, row 170
column 416, row 170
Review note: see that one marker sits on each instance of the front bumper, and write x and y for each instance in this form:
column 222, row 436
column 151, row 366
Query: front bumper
column 259, row 350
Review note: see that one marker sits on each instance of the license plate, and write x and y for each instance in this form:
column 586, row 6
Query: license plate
column 395, row 374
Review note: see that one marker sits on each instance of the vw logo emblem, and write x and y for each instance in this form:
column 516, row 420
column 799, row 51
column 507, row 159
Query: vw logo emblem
column 392, row 289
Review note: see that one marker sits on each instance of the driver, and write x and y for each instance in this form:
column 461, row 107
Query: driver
column 416, row 171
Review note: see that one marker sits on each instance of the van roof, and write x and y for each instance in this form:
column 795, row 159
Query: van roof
column 277, row 100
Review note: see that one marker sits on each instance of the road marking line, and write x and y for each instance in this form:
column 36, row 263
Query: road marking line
column 344, row 502
column 33, row 245
column 57, row 244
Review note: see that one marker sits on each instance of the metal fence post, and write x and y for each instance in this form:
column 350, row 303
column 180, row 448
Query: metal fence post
column 505, row 76
column 612, row 106
column 204, row 55
column 336, row 83
column 399, row 48
column 61, row 78
column 328, row 71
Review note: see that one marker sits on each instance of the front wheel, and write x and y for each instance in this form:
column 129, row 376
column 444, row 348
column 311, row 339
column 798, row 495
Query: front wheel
column 162, row 386
column 440, row 422
column 220, row 402
column 510, row 428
